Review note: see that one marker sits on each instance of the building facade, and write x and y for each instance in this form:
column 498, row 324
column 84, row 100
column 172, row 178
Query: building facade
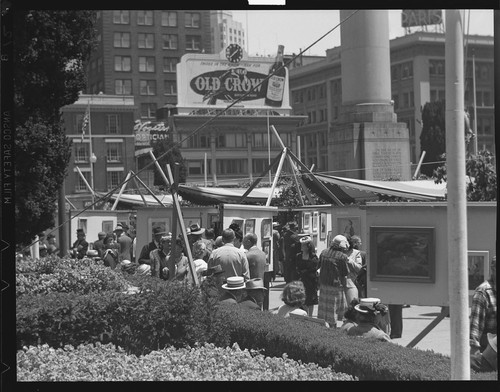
column 138, row 51
column 104, row 154
column 225, row 31
column 417, row 76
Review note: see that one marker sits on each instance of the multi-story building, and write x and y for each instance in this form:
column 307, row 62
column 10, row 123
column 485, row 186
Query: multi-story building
column 103, row 155
column 138, row 51
column 225, row 31
column 417, row 77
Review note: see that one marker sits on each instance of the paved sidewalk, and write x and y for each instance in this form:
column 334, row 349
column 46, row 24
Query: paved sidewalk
column 415, row 320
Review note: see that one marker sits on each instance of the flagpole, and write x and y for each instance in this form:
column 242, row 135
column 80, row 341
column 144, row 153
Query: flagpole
column 92, row 157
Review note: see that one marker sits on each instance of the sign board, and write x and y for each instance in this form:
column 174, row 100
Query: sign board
column 218, row 80
column 412, row 18
column 146, row 133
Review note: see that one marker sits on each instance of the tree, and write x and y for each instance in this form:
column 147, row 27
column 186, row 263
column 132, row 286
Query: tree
column 172, row 155
column 433, row 136
column 480, row 169
column 50, row 51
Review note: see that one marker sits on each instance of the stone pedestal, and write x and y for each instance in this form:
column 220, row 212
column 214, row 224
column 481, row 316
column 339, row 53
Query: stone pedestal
column 368, row 143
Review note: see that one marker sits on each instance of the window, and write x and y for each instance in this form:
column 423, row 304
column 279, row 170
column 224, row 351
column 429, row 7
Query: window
column 146, row 41
column 123, row 63
column 121, row 17
column 82, row 152
column 436, row 67
column 259, row 165
column 114, row 152
column 147, row 87
column 79, row 183
column 192, row 19
column 170, row 87
column 148, row 110
column 232, row 166
column 114, row 179
column 236, row 140
column 220, row 141
column 123, row 87
column 170, row 64
column 145, row 18
column 170, row 41
column 395, row 72
column 169, row 18
column 407, row 70
column 113, row 124
column 195, row 167
column 146, row 64
column 121, row 40
column 193, row 42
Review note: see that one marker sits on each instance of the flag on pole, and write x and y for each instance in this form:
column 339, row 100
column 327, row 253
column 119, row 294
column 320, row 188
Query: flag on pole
column 86, row 120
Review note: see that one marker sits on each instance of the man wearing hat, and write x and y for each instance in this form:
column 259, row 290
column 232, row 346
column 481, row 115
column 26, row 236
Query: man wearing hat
column 233, row 260
column 369, row 311
column 197, row 236
column 124, row 241
column 99, row 243
column 233, row 288
column 80, row 246
column 255, row 294
column 291, row 247
column 332, row 277
column 146, row 249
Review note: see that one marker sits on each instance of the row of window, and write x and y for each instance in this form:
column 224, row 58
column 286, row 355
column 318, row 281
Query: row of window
column 167, row 18
column 146, row 87
column 145, row 64
column 112, row 125
column 310, row 93
column 113, row 180
column 405, row 100
column 113, row 152
column 147, row 41
column 234, row 140
column 402, row 71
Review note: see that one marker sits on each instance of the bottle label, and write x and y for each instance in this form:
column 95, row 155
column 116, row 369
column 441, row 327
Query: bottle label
column 275, row 88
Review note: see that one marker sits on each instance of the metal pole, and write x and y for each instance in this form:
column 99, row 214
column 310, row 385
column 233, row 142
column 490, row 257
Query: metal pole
column 457, row 203
column 91, row 159
column 474, row 140
column 419, row 164
column 280, row 165
column 121, row 191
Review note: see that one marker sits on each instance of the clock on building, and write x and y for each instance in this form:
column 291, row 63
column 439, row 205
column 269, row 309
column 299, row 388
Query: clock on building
column 234, row 53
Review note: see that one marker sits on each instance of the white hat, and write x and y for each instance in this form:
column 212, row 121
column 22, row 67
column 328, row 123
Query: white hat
column 367, row 305
column 143, row 269
column 340, row 241
column 234, row 283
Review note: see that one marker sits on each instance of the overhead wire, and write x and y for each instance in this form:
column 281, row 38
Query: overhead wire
column 196, row 130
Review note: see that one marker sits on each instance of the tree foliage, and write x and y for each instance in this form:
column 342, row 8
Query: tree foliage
column 480, row 168
column 172, row 156
column 50, row 50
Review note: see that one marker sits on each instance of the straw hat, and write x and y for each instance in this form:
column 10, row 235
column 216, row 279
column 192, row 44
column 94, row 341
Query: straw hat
column 367, row 305
column 234, row 283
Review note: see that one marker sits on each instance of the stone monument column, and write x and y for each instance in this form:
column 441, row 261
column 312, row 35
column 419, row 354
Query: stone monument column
column 367, row 142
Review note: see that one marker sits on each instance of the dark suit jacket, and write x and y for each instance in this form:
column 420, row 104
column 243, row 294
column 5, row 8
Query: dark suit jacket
column 146, row 249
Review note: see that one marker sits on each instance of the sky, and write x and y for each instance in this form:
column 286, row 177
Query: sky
column 298, row 29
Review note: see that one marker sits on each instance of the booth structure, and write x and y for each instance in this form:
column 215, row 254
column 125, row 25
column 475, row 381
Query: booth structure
column 94, row 221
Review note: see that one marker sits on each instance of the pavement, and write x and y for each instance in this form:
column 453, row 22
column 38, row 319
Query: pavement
column 415, row 320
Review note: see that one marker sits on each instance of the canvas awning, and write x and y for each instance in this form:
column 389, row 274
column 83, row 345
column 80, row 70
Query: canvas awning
column 348, row 191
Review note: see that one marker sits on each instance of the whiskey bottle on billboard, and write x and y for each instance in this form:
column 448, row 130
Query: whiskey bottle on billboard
column 276, row 83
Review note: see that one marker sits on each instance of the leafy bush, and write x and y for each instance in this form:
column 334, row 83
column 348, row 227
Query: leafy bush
column 64, row 275
column 201, row 363
column 160, row 314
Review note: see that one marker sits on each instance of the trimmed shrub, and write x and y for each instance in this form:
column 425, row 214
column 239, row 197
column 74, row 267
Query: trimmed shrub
column 201, row 363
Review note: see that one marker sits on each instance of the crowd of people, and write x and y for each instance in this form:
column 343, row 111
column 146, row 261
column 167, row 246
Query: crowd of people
column 334, row 280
